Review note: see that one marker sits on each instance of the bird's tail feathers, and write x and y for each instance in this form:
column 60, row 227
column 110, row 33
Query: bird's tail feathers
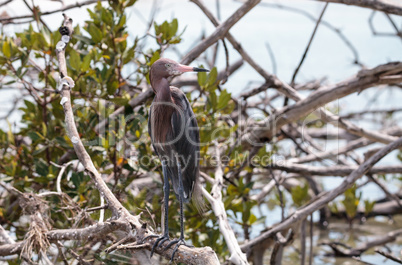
column 198, row 199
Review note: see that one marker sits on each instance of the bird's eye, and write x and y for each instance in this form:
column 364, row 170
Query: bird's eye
column 167, row 65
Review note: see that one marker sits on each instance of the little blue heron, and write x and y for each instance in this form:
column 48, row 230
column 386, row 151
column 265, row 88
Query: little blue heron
column 174, row 134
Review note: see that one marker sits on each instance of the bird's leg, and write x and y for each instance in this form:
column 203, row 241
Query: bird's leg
column 179, row 241
column 166, row 190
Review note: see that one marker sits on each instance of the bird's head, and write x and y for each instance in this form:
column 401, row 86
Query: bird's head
column 163, row 68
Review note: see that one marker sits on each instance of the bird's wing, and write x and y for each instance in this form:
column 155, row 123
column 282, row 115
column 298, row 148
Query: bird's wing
column 187, row 139
column 150, row 130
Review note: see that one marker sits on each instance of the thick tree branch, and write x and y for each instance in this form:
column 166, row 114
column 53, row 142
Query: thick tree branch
column 314, row 101
column 220, row 31
column 72, row 132
column 379, row 5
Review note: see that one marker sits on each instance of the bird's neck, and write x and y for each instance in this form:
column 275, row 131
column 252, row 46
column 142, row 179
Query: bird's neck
column 163, row 90
column 162, row 110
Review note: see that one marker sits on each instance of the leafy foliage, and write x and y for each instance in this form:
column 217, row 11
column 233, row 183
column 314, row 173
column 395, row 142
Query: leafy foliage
column 351, row 201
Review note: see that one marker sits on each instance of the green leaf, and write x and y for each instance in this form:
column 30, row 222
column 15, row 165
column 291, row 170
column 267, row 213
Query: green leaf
column 3, row 60
column 130, row 3
column 202, row 78
column 10, row 134
column 107, row 17
column 351, row 201
column 155, row 57
column 174, row 25
column 112, row 86
column 128, row 55
column 212, row 101
column 35, row 136
column 119, row 101
column 75, row 60
column 84, row 39
column 95, row 33
column 224, row 99
column 122, row 21
column 252, row 219
column 86, row 62
column 39, row 42
column 44, row 129
column 41, row 168
column 165, row 29
column 300, row 195
column 7, row 49
column 39, row 150
column 368, row 206
column 30, row 106
column 212, row 76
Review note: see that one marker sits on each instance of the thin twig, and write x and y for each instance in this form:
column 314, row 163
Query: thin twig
column 389, row 256
column 308, row 45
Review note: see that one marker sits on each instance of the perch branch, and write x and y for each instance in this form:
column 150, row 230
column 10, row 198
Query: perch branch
column 72, row 132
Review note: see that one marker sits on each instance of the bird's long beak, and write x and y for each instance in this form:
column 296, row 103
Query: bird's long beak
column 185, row 68
column 196, row 69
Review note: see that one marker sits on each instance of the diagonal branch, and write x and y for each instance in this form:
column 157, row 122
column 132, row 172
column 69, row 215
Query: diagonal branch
column 379, row 5
column 357, row 251
column 72, row 132
column 67, row 7
column 275, row 122
column 325, row 197
column 215, row 199
column 332, row 170
column 314, row 101
column 220, row 31
column 309, row 44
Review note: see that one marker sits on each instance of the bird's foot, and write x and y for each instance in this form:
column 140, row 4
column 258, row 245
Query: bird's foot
column 179, row 242
column 158, row 242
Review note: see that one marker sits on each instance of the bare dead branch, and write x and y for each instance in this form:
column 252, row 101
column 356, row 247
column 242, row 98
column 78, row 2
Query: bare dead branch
column 215, row 199
column 220, row 31
column 5, row 237
column 11, row 249
column 389, row 256
column 325, row 197
column 379, row 5
column 305, row 106
column 71, row 6
column 357, row 251
column 308, row 47
column 332, row 170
